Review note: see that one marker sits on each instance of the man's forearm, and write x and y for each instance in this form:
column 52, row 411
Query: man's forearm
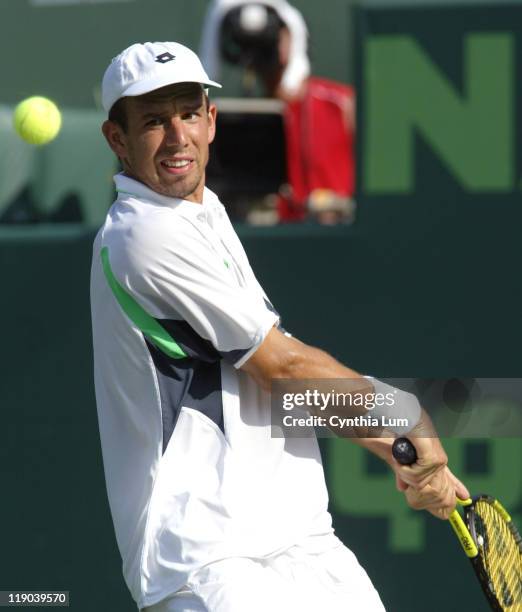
column 303, row 361
column 284, row 357
column 307, row 363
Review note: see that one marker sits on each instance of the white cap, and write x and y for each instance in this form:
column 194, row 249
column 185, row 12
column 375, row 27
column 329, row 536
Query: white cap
column 144, row 67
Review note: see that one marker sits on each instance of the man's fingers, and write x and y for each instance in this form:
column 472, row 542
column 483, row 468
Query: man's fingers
column 431, row 458
column 418, row 475
column 441, row 513
column 460, row 488
column 437, row 497
column 448, row 500
column 400, row 484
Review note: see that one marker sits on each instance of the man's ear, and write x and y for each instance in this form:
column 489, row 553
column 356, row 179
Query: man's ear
column 212, row 114
column 115, row 136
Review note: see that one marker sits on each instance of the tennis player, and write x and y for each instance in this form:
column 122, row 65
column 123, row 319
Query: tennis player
column 211, row 513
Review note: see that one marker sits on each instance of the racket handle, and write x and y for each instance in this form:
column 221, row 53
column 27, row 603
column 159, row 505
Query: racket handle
column 404, row 452
column 463, row 534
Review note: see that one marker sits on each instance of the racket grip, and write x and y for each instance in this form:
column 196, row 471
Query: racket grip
column 404, row 452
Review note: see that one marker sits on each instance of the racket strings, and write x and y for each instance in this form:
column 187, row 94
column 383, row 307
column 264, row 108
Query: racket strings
column 501, row 555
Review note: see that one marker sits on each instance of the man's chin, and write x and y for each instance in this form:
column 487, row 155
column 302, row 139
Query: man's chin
column 180, row 191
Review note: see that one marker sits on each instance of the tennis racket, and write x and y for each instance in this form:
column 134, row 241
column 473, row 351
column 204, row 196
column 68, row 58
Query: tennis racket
column 489, row 538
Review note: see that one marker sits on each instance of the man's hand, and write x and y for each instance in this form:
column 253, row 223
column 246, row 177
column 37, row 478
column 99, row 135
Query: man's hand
column 431, row 457
column 438, row 497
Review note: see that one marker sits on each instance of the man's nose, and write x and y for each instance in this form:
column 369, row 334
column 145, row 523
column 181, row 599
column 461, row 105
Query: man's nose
column 176, row 132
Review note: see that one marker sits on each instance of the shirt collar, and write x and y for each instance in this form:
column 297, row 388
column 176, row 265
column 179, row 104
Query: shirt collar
column 129, row 186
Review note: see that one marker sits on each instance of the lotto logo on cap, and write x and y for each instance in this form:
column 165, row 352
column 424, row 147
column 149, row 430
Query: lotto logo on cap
column 144, row 67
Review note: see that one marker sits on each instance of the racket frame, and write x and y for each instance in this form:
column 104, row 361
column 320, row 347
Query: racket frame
column 469, row 540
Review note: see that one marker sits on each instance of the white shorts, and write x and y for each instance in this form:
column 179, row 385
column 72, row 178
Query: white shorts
column 297, row 580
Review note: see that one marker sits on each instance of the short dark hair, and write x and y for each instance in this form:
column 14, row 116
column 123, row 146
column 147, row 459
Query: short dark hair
column 118, row 112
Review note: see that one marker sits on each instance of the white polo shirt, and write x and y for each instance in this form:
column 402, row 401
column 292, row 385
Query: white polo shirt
column 193, row 474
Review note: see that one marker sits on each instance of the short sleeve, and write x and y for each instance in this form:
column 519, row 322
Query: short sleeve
column 187, row 287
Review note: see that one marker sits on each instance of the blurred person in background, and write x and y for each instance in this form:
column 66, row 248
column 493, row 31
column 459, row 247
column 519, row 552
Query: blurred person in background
column 269, row 41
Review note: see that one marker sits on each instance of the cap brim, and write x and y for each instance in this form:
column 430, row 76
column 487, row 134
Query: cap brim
column 144, row 87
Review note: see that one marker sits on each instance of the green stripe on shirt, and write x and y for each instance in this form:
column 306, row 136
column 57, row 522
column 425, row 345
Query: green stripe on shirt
column 143, row 321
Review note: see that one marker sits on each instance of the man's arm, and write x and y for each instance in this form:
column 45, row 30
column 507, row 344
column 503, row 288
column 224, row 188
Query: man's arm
column 281, row 356
column 428, row 483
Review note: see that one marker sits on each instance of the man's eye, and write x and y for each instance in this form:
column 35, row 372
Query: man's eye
column 155, row 121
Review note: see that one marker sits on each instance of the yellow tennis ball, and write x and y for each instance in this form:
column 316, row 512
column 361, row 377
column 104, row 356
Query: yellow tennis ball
column 37, row 120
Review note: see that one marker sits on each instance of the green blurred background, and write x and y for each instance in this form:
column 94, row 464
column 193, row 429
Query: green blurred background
column 426, row 283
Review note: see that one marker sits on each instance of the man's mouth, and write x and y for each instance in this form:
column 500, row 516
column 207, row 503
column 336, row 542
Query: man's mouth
column 176, row 166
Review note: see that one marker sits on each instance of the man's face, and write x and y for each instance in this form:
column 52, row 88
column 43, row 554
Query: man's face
column 165, row 145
